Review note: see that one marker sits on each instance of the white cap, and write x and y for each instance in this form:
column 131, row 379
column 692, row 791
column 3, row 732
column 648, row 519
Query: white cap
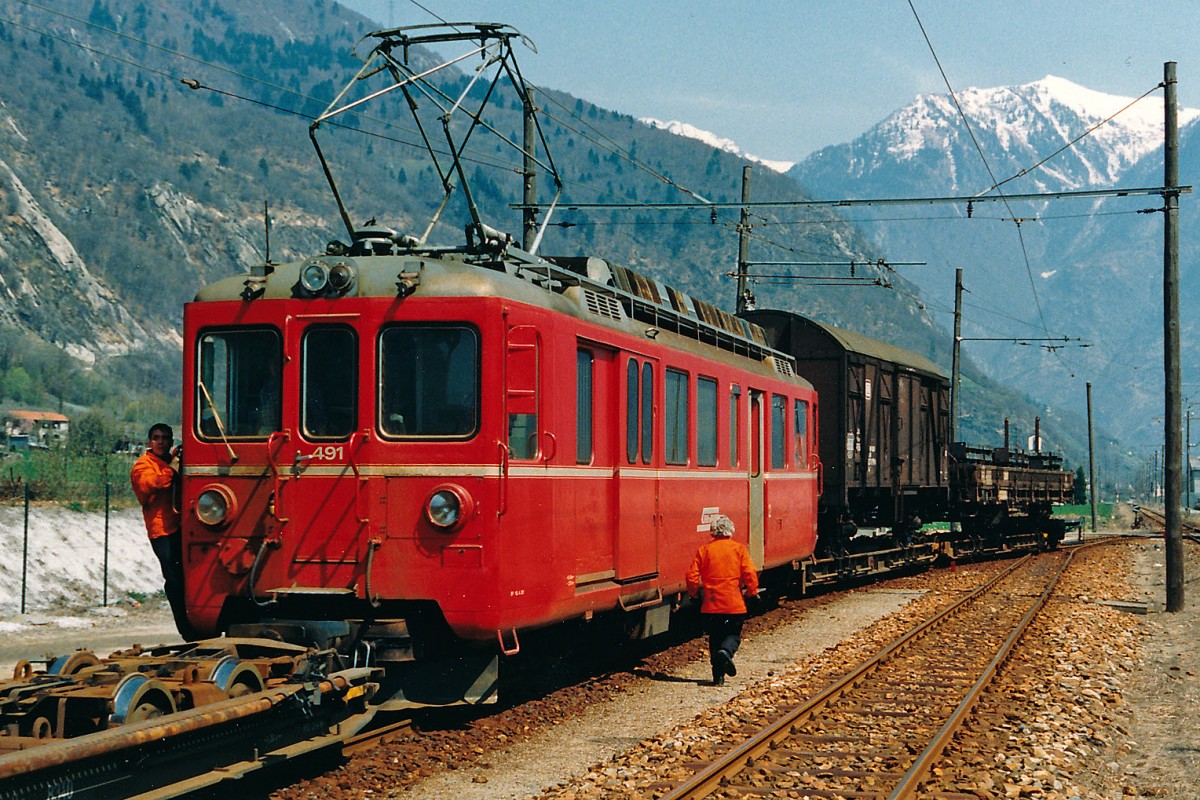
column 722, row 526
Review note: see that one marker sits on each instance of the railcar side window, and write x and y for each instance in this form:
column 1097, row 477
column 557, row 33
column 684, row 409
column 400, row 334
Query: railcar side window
column 706, row 422
column 238, row 387
column 631, row 412
column 647, row 413
column 735, row 404
column 329, row 382
column 584, row 364
column 429, row 381
column 676, row 418
column 778, row 431
column 801, row 430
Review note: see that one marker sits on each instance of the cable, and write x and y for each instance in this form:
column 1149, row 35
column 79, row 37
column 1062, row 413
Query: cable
column 982, row 157
column 1074, row 141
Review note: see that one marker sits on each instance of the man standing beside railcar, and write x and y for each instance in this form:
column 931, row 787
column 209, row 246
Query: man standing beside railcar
column 153, row 481
column 721, row 572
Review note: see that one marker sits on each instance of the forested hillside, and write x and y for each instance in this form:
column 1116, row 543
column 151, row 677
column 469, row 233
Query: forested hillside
column 124, row 189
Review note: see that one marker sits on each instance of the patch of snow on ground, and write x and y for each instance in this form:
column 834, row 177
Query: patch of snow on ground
column 64, row 570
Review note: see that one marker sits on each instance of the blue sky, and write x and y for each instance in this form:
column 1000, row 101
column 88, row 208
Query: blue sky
column 784, row 78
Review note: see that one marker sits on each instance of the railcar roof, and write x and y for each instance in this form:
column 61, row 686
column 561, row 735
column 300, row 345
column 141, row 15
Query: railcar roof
column 586, row 287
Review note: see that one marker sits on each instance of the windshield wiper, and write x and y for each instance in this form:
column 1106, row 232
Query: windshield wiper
column 220, row 425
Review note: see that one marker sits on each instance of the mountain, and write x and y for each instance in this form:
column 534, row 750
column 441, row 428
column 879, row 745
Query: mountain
column 144, row 147
column 713, row 140
column 1087, row 270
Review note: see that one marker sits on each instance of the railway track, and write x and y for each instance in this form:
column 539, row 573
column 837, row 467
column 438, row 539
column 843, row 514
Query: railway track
column 878, row 730
column 1159, row 522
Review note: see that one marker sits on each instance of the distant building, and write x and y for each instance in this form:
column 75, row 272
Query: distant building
column 1192, row 481
column 40, row 429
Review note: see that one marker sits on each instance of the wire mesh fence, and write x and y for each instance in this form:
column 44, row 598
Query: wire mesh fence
column 71, row 533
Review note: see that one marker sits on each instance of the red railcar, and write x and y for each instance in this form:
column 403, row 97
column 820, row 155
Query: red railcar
column 424, row 454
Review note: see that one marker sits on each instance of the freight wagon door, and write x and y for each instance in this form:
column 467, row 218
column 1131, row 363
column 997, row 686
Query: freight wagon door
column 637, row 475
column 905, row 439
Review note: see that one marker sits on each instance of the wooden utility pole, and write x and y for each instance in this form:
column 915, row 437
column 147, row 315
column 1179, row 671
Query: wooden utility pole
column 954, row 373
column 1173, row 453
column 745, row 300
column 529, row 214
column 1091, row 458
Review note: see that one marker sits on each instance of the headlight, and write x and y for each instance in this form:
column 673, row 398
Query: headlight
column 448, row 507
column 341, row 277
column 215, row 506
column 314, row 278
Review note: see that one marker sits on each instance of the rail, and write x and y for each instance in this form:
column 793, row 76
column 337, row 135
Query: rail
column 906, row 681
column 1159, row 521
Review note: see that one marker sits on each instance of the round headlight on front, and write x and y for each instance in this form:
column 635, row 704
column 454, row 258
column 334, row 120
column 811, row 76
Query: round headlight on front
column 341, row 277
column 215, row 506
column 314, row 277
column 448, row 507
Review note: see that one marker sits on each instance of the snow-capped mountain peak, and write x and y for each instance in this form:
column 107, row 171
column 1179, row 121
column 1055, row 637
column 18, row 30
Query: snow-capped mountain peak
column 713, row 140
column 1057, row 134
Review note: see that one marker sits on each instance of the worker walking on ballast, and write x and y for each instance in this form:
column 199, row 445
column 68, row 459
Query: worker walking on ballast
column 720, row 574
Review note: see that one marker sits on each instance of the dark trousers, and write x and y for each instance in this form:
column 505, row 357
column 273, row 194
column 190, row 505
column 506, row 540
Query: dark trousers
column 724, row 633
column 169, row 550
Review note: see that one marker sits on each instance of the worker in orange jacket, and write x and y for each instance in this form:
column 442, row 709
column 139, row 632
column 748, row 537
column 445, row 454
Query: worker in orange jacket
column 720, row 574
column 153, row 481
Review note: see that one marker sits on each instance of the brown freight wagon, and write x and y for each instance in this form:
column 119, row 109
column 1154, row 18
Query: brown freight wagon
column 887, row 463
column 884, row 427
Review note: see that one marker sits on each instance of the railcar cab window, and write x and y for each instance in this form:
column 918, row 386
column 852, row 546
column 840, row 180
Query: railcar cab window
column 778, row 431
column 238, row 387
column 801, row 430
column 428, row 381
column 329, row 382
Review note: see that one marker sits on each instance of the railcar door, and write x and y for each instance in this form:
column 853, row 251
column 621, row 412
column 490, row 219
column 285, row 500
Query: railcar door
column 757, row 433
column 322, row 492
column 589, row 498
column 637, row 475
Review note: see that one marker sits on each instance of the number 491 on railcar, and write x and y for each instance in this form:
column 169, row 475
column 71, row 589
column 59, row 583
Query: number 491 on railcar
column 421, row 456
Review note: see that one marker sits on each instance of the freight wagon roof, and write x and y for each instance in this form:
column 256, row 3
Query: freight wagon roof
column 865, row 345
column 807, row 339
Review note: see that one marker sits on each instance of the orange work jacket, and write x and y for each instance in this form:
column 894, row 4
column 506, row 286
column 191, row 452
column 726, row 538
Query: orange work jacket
column 151, row 479
column 723, row 569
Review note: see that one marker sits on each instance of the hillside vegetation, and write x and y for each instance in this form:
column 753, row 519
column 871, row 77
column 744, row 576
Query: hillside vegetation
column 123, row 190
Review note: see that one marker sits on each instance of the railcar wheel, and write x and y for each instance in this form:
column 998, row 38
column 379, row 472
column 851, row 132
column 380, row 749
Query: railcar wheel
column 235, row 677
column 138, row 698
column 69, row 665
